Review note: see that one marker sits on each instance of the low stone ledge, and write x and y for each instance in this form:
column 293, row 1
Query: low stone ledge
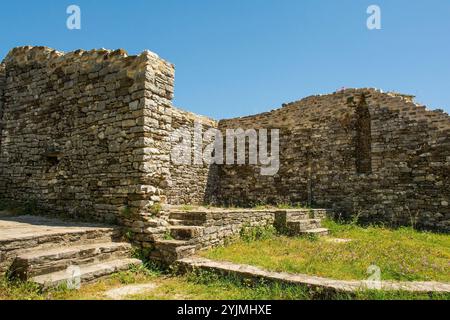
column 313, row 282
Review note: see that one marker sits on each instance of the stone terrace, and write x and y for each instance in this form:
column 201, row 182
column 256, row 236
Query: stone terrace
column 41, row 249
column 202, row 228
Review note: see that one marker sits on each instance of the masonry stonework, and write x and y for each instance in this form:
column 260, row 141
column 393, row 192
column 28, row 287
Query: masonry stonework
column 191, row 182
column 78, row 128
column 358, row 151
column 2, row 90
column 92, row 133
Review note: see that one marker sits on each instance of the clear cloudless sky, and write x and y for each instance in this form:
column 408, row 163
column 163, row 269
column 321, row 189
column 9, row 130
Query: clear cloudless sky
column 239, row 57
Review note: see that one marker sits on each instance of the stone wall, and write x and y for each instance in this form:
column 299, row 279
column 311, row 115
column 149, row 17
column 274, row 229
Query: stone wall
column 194, row 182
column 93, row 132
column 363, row 152
column 90, row 133
column 2, row 89
column 176, row 182
column 78, row 128
column 221, row 226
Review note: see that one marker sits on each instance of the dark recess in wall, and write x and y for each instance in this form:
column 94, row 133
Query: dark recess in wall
column 363, row 138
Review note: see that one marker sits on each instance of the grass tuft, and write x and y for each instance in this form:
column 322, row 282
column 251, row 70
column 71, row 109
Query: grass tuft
column 250, row 234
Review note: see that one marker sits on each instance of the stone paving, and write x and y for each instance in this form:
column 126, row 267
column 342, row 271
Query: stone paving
column 124, row 292
column 311, row 281
column 23, row 227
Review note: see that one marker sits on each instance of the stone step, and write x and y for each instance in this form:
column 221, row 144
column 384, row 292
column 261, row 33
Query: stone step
column 297, row 226
column 87, row 273
column 318, row 232
column 185, row 232
column 44, row 261
column 305, row 221
column 283, row 216
column 56, row 238
column 168, row 251
column 21, row 234
column 188, row 215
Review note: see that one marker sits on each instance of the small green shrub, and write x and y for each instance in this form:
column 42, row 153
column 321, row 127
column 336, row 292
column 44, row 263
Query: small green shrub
column 148, row 267
column 187, row 207
column 261, row 207
column 200, row 276
column 168, row 235
column 288, row 206
column 129, row 235
column 312, row 237
column 249, row 233
column 142, row 254
column 19, row 290
column 155, row 209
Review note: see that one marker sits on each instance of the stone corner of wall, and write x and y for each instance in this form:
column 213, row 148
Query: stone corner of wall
column 152, row 56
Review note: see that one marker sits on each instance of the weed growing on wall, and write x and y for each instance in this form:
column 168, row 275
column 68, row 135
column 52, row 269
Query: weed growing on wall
column 155, row 209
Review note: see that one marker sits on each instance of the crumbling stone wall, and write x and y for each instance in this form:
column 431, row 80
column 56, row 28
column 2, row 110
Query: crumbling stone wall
column 2, row 90
column 91, row 133
column 78, row 128
column 325, row 159
column 187, row 183
column 223, row 225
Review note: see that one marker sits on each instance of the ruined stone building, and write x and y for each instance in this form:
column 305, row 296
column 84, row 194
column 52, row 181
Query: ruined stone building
column 88, row 133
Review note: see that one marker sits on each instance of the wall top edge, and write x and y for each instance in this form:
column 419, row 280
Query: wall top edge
column 28, row 54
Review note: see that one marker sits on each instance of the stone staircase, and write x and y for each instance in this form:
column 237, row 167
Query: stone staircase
column 302, row 222
column 48, row 251
column 189, row 231
column 185, row 227
column 50, row 255
column 306, row 227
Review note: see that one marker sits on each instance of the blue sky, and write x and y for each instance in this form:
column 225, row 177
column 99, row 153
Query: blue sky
column 239, row 57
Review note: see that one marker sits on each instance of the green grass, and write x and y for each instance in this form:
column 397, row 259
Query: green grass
column 194, row 286
column 17, row 290
column 155, row 209
column 403, row 254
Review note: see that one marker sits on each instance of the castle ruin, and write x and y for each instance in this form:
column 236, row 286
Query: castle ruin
column 89, row 133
